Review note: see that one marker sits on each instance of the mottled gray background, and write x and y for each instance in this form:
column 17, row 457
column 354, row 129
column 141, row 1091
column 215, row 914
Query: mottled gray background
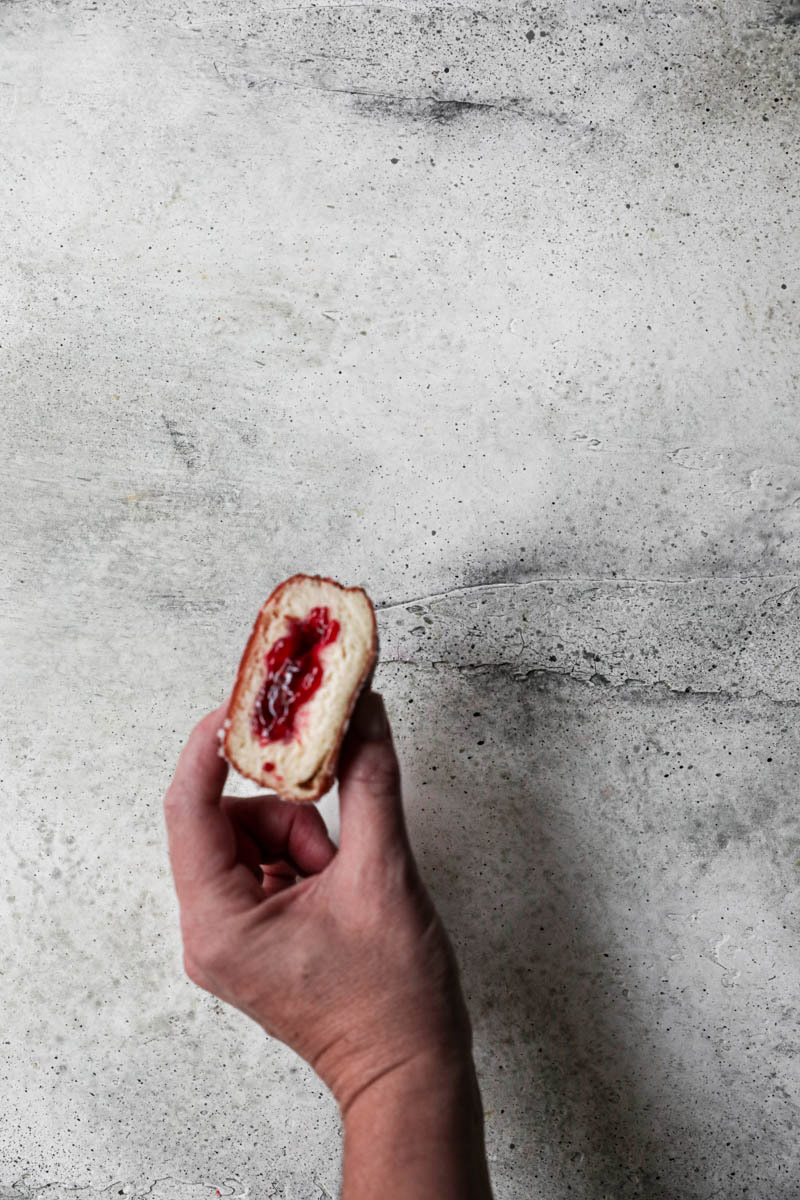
column 495, row 311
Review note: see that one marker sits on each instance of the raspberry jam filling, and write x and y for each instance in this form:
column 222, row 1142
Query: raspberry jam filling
column 294, row 672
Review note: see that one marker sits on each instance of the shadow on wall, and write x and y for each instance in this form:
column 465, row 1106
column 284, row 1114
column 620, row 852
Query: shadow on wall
column 570, row 1068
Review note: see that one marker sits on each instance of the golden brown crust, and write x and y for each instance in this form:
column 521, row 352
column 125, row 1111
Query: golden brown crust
column 325, row 774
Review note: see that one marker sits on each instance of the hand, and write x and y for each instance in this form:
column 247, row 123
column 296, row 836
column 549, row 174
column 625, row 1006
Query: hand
column 338, row 953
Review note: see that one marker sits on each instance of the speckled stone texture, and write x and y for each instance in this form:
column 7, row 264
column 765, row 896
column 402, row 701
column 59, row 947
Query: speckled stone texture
column 493, row 311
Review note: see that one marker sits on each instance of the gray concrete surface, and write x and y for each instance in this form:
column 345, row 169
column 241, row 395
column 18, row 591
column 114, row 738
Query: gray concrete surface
column 495, row 311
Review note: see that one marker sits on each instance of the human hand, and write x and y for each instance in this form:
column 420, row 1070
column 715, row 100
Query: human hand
column 338, row 953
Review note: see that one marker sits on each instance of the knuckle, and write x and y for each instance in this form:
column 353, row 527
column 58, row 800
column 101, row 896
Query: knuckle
column 213, row 957
column 308, row 821
column 172, row 801
column 206, row 953
column 377, row 770
column 192, row 970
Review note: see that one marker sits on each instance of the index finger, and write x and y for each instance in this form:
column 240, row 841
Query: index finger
column 202, row 844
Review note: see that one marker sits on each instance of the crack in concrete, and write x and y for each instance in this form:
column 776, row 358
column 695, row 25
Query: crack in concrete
column 788, row 592
column 401, row 98
column 431, row 106
column 674, row 581
column 20, row 1188
column 380, row 5
column 631, row 685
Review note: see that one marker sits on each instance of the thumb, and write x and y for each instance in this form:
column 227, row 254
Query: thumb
column 371, row 808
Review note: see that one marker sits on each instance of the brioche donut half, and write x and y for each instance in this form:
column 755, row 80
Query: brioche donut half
column 313, row 646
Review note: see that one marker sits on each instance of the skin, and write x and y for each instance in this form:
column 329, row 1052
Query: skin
column 339, row 953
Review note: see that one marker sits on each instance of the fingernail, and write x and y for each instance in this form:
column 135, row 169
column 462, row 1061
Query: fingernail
column 369, row 718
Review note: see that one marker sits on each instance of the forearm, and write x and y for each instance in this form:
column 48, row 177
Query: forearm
column 417, row 1134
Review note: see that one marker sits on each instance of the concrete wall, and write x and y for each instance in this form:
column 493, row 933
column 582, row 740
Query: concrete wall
column 494, row 311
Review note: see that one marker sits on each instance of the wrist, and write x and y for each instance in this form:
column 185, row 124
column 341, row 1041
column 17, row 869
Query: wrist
column 402, row 1049
column 420, row 1123
column 436, row 1070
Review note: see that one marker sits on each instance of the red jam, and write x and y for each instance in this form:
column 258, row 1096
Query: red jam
column 294, row 672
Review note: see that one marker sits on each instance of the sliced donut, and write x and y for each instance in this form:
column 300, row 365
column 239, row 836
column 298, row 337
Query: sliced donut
column 313, row 646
